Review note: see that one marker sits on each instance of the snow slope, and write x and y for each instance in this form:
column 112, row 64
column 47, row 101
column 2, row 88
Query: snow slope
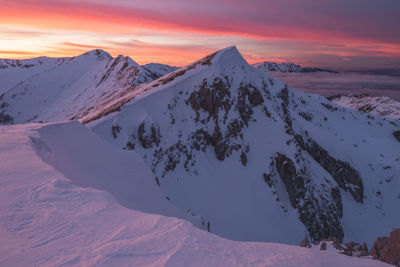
column 379, row 105
column 261, row 161
column 65, row 210
column 158, row 70
column 57, row 89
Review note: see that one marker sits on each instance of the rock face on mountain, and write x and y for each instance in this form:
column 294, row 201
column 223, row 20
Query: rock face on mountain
column 55, row 89
column 379, row 105
column 387, row 249
column 261, row 161
column 286, row 67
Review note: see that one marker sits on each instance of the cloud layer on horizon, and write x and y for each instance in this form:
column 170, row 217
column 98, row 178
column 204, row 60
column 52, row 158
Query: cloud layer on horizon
column 329, row 84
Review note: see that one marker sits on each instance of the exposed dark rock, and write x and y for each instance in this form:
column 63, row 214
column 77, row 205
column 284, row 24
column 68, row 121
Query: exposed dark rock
column 266, row 112
column 211, row 98
column 287, row 173
column 387, row 249
column 245, row 110
column 366, row 108
column 321, row 216
column 130, row 145
column 306, row 116
column 255, row 97
column 157, row 181
column 115, row 129
column 345, row 176
column 323, row 246
column 234, row 128
column 363, row 250
column 337, row 198
column 5, row 118
column 243, row 158
column 396, row 134
column 268, row 179
column 305, row 243
column 329, row 107
column 194, row 101
column 220, row 150
column 201, row 139
column 354, row 249
column 147, row 140
column 284, row 95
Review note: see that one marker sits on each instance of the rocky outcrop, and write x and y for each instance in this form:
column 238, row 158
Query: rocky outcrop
column 396, row 135
column 345, row 176
column 214, row 99
column 305, row 243
column 287, row 172
column 148, row 138
column 320, row 212
column 387, row 249
column 5, row 118
column 211, row 98
column 248, row 97
column 355, row 250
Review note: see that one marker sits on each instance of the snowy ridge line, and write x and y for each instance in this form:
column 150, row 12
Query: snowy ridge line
column 146, row 89
column 58, row 89
column 267, row 66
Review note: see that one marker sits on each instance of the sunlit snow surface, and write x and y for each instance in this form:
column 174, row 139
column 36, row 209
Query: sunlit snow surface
column 67, row 207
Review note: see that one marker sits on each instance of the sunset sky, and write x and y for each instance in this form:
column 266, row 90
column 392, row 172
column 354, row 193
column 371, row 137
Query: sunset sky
column 322, row 33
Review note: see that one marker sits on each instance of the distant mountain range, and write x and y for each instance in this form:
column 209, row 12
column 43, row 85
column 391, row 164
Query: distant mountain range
column 287, row 67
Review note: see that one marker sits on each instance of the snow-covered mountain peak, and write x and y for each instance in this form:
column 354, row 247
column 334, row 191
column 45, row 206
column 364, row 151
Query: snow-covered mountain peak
column 288, row 160
column 100, row 53
column 229, row 55
column 53, row 89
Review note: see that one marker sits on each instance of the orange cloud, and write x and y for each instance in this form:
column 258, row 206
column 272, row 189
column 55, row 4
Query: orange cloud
column 190, row 29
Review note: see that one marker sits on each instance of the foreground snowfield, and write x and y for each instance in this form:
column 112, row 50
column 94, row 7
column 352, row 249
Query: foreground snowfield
column 56, row 210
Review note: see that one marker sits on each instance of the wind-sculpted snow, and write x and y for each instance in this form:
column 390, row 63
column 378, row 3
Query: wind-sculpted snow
column 212, row 132
column 66, row 210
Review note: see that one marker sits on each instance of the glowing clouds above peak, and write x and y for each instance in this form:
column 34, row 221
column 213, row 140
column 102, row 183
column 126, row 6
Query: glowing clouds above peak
column 179, row 31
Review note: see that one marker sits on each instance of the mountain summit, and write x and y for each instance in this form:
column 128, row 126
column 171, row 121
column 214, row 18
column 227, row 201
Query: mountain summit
column 261, row 161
